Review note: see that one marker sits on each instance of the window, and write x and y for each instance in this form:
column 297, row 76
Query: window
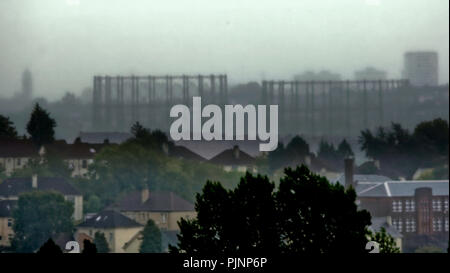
column 437, row 206
column 411, row 225
column 90, row 232
column 398, row 224
column 84, row 164
column 19, row 161
column 9, row 222
column 437, row 224
column 446, row 224
column 110, row 236
column 446, row 205
column 410, row 206
column 1, row 237
column 397, row 206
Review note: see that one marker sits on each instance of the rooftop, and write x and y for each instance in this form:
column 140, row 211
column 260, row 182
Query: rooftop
column 18, row 185
column 6, row 207
column 109, row 219
column 233, row 156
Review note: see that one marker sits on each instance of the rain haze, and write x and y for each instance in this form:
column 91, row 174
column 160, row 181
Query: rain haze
column 64, row 43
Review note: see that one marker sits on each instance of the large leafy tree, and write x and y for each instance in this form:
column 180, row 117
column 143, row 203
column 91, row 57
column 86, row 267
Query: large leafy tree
column 386, row 241
column 7, row 128
column 151, row 242
column 319, row 217
column 41, row 126
column 100, row 242
column 306, row 215
column 38, row 217
column 426, row 147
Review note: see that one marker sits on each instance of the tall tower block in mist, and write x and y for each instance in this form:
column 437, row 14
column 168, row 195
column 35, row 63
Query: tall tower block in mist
column 421, row 68
column 27, row 83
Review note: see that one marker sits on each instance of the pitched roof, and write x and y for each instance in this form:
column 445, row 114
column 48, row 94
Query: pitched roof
column 401, row 188
column 379, row 222
column 17, row 148
column 109, row 219
column 364, row 178
column 233, row 157
column 6, row 207
column 76, row 150
column 99, row 137
column 157, row 201
column 382, row 186
column 17, row 185
column 185, row 153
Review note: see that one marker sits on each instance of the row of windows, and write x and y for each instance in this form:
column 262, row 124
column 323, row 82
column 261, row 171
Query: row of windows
column 410, row 205
column 440, row 225
column 409, row 225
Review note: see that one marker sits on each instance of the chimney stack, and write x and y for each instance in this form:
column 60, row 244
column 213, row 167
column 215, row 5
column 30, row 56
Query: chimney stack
column 236, row 151
column 349, row 172
column 145, row 194
column 34, row 181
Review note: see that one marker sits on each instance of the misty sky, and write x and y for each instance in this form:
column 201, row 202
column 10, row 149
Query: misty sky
column 66, row 42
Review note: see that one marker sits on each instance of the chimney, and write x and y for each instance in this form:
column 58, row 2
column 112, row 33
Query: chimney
column 34, row 181
column 236, row 151
column 349, row 165
column 145, row 194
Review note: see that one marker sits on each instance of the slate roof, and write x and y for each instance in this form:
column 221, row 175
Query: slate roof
column 109, row 219
column 364, row 178
column 6, row 207
column 382, row 186
column 228, row 157
column 379, row 222
column 185, row 153
column 99, row 137
column 17, row 148
column 157, row 201
column 18, row 185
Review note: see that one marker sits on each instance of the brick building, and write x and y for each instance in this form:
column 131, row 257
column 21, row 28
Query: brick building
column 418, row 208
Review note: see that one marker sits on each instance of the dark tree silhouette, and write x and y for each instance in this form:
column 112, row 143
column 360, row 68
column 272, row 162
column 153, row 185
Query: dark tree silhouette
column 151, row 242
column 426, row 147
column 41, row 126
column 319, row 217
column 101, row 243
column 7, row 128
column 50, row 248
column 89, row 247
column 344, row 149
column 306, row 215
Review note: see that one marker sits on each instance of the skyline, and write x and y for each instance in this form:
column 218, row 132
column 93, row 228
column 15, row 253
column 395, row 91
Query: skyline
column 66, row 43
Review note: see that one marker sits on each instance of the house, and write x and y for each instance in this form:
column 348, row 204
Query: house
column 6, row 221
column 182, row 152
column 164, row 208
column 418, row 208
column 386, row 223
column 117, row 228
column 78, row 155
column 16, row 153
column 11, row 188
column 235, row 159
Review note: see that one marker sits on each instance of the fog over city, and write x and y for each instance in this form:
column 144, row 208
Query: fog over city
column 65, row 42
